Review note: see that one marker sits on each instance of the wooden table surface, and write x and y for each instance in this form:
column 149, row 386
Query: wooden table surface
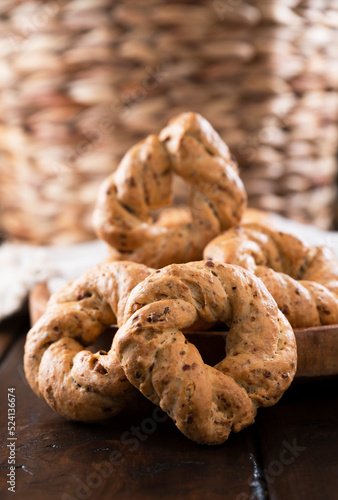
column 290, row 453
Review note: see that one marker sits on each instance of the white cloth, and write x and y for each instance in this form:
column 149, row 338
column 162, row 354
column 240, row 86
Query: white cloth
column 22, row 266
column 310, row 234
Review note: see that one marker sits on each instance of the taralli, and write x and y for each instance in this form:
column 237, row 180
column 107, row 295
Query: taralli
column 206, row 402
column 302, row 279
column 78, row 384
column 190, row 148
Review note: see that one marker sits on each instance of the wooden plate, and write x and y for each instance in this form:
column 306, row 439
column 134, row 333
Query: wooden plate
column 317, row 346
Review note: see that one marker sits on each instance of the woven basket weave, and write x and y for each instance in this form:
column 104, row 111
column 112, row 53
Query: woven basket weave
column 82, row 80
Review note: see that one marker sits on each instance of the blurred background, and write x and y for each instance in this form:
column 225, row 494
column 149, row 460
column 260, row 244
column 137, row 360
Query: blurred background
column 82, row 80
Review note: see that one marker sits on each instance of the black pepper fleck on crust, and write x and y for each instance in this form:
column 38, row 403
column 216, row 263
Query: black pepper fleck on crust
column 248, row 377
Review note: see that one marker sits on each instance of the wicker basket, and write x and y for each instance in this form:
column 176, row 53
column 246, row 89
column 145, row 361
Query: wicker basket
column 82, row 80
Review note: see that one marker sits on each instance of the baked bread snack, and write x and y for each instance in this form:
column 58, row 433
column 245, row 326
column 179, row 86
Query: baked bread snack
column 190, row 148
column 78, row 384
column 206, row 402
column 303, row 279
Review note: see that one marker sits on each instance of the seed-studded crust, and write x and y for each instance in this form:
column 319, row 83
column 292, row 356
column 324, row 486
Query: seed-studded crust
column 190, row 148
column 302, row 279
column 78, row 384
column 206, row 402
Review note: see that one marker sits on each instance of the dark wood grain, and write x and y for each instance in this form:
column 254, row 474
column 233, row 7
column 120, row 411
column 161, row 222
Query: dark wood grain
column 317, row 351
column 9, row 330
column 305, row 425
column 289, row 454
column 56, row 458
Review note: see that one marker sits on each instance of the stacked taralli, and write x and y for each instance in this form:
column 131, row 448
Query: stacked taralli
column 190, row 148
column 302, row 279
column 154, row 308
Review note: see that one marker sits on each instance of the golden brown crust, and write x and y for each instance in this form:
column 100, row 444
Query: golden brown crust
column 205, row 402
column 190, row 148
column 76, row 383
column 302, row 279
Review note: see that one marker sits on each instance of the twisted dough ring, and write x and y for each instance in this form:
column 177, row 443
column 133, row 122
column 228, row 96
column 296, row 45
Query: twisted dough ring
column 303, row 280
column 78, row 384
column 205, row 402
column 190, row 148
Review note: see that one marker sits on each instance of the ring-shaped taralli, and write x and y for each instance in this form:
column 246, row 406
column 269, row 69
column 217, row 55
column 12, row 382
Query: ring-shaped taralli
column 76, row 383
column 206, row 402
column 190, row 148
column 302, row 279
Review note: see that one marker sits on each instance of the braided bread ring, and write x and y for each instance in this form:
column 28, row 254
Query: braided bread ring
column 302, row 279
column 190, row 148
column 78, row 384
column 204, row 402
